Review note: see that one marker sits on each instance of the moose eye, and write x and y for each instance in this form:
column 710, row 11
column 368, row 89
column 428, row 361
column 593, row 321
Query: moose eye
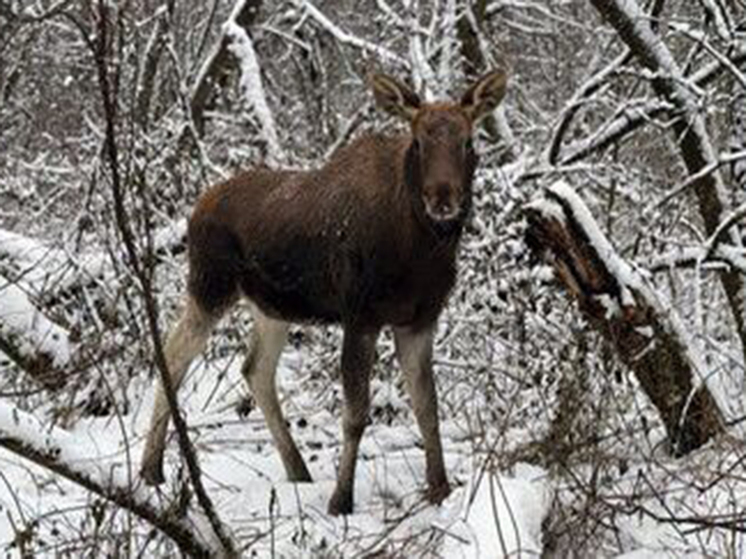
column 468, row 146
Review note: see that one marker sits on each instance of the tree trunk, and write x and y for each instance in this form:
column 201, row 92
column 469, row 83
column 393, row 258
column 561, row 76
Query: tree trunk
column 696, row 150
column 219, row 62
column 647, row 334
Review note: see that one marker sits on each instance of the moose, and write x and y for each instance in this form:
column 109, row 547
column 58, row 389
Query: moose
column 368, row 240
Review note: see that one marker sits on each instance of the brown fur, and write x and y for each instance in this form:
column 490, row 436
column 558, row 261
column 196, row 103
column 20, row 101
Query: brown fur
column 335, row 245
column 367, row 240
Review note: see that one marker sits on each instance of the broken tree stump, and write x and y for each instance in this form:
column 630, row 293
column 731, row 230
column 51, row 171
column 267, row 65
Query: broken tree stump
column 618, row 300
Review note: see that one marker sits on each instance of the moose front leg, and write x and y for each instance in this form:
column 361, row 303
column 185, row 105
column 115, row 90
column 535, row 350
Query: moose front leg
column 358, row 352
column 414, row 350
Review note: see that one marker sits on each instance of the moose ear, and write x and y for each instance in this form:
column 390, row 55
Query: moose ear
column 485, row 95
column 394, row 97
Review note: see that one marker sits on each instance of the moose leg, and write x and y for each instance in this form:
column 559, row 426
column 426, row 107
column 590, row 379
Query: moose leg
column 186, row 341
column 358, row 352
column 414, row 349
column 266, row 343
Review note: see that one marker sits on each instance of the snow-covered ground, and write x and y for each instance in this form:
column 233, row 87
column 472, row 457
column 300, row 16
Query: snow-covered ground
column 488, row 514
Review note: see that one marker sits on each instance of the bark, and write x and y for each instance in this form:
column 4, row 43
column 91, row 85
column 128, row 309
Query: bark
column 690, row 130
column 647, row 334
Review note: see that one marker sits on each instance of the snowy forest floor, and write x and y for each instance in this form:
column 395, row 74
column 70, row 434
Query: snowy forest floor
column 498, row 507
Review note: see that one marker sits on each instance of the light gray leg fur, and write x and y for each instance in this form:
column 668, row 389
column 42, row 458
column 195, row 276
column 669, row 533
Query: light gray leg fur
column 414, row 350
column 358, row 353
column 186, row 341
column 265, row 345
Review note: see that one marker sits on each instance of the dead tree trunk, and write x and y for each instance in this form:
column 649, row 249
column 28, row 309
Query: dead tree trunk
column 618, row 301
column 697, row 152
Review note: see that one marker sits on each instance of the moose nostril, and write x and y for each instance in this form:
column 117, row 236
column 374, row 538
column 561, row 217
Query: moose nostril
column 443, row 207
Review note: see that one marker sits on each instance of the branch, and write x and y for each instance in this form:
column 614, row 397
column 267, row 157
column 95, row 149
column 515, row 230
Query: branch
column 691, row 257
column 55, row 450
column 219, row 61
column 648, row 334
column 31, row 340
column 697, row 151
column 346, row 38
column 108, row 95
column 149, row 68
column 628, row 120
column 242, row 47
column 578, row 100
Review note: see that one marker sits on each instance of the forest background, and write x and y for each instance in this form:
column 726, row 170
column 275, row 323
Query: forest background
column 625, row 123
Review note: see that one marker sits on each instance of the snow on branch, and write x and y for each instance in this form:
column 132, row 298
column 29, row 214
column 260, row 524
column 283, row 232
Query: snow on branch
column 38, row 267
column 580, row 98
column 692, row 136
column 633, row 115
column 252, row 88
column 648, row 334
column 346, row 38
column 35, row 343
column 60, row 452
column 217, row 61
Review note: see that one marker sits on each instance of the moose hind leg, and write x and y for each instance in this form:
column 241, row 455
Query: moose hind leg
column 187, row 340
column 414, row 352
column 358, row 352
column 265, row 345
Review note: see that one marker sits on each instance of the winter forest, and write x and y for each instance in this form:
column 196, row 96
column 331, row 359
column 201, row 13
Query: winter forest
column 589, row 362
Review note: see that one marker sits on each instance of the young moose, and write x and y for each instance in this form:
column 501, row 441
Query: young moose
column 368, row 240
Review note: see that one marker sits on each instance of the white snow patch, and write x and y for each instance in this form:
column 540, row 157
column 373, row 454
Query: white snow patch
column 503, row 517
column 30, row 329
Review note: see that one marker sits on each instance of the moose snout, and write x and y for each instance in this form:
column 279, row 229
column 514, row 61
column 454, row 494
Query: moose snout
column 442, row 202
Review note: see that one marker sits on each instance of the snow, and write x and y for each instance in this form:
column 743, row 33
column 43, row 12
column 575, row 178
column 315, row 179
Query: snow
column 40, row 266
column 503, row 516
column 21, row 321
column 245, row 477
column 253, row 90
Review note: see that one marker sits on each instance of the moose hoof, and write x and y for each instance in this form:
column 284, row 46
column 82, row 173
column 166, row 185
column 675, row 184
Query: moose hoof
column 152, row 472
column 436, row 494
column 340, row 503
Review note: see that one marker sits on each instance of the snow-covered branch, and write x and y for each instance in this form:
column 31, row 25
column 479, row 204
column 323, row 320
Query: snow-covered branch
column 697, row 150
column 635, row 114
column 243, row 14
column 35, row 343
column 59, row 452
column 252, row 88
column 347, row 38
column 648, row 334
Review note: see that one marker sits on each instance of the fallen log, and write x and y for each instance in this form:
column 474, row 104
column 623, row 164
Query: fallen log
column 618, row 301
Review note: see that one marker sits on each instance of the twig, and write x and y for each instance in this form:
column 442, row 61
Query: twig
column 120, row 212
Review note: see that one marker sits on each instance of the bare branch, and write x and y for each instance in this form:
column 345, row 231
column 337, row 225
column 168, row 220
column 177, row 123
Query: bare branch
column 108, row 95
